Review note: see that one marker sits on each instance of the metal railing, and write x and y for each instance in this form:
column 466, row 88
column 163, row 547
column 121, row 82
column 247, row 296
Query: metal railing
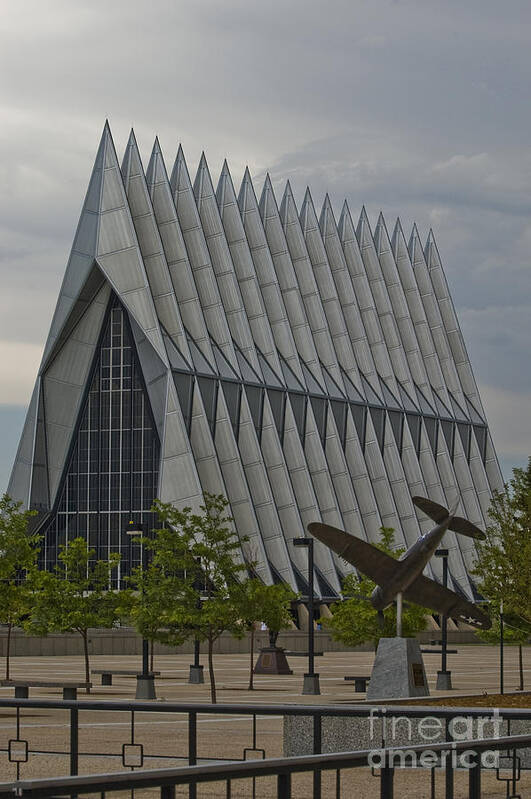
column 282, row 768
column 19, row 750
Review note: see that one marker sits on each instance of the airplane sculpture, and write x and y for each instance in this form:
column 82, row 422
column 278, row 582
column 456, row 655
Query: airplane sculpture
column 403, row 578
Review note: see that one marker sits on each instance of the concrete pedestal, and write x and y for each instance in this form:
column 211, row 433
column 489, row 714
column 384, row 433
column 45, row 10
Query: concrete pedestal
column 197, row 676
column 311, row 684
column 398, row 670
column 444, row 681
column 272, row 660
column 145, row 687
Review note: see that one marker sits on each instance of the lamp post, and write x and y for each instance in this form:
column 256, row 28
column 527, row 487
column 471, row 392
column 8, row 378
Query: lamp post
column 145, row 682
column 311, row 679
column 444, row 676
column 196, row 675
column 501, row 648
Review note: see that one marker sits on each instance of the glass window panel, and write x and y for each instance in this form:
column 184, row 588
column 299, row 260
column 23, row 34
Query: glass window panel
column 414, row 424
column 270, row 376
column 424, row 405
column 313, row 385
column 359, row 414
column 339, row 410
column 200, row 362
column 442, row 410
column 185, row 391
column 464, row 435
column 175, row 356
column 290, row 378
column 480, row 432
column 407, row 402
column 255, row 398
column 208, row 388
column 248, row 374
column 224, row 367
column 397, row 426
column 331, row 385
column 232, row 393
column 90, row 497
column 389, row 398
column 378, row 420
column 277, row 400
column 352, row 392
column 474, row 415
column 320, row 408
column 298, row 406
column 458, row 412
column 431, row 429
column 448, row 430
column 372, row 396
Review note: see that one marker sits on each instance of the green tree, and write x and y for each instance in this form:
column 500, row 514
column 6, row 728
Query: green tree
column 354, row 621
column 75, row 597
column 158, row 603
column 264, row 603
column 197, row 555
column 503, row 565
column 18, row 554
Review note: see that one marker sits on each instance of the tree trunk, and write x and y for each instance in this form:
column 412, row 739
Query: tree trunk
column 251, row 669
column 8, row 649
column 84, row 635
column 152, row 645
column 211, row 671
column 521, row 666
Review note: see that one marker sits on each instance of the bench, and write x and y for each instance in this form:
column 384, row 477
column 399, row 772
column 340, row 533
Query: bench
column 106, row 674
column 360, row 683
column 22, row 687
column 438, row 651
column 303, row 654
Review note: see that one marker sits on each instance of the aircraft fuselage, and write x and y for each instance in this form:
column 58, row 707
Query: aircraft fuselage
column 409, row 566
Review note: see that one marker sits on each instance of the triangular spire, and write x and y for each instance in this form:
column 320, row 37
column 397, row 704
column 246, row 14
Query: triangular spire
column 416, row 251
column 398, row 242
column 381, row 236
column 203, row 182
column 131, row 163
column 180, row 177
column 156, row 171
column 327, row 221
column 288, row 208
column 225, row 183
column 363, row 230
column 247, row 200
column 268, row 203
column 308, row 217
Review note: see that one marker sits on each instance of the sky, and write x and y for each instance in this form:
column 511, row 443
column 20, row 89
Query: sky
column 418, row 108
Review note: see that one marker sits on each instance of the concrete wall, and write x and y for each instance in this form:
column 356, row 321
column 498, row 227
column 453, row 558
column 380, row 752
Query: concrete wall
column 125, row 641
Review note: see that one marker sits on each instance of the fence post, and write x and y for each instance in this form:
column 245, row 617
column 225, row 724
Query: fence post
column 167, row 792
column 474, row 779
column 448, row 768
column 74, row 741
column 317, row 725
column 284, row 786
column 387, row 774
column 192, row 750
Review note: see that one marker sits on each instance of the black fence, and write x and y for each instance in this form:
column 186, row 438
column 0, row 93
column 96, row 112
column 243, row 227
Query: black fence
column 131, row 755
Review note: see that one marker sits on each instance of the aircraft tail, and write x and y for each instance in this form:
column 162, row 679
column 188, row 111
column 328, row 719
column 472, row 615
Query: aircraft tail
column 438, row 514
column 464, row 527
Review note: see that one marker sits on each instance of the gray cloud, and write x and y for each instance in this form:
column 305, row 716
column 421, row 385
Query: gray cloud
column 419, row 108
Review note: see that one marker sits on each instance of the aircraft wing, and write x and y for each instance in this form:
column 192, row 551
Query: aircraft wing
column 369, row 560
column 430, row 594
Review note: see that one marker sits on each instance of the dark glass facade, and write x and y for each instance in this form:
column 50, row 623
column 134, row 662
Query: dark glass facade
column 112, row 475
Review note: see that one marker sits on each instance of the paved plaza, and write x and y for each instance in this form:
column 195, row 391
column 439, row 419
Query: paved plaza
column 474, row 669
